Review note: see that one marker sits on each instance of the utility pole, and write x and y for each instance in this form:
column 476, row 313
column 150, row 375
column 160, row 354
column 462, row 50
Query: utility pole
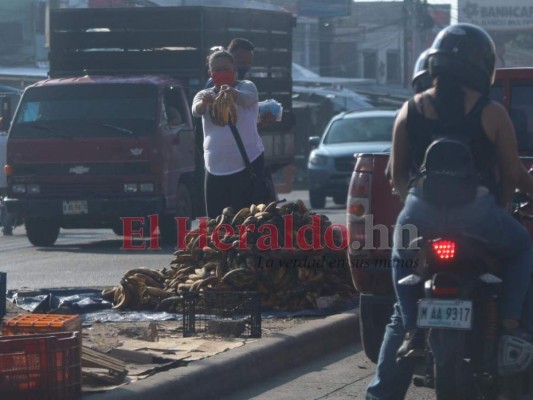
column 411, row 38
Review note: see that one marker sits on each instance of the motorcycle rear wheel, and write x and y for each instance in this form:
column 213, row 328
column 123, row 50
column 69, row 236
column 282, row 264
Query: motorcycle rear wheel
column 454, row 381
column 454, row 375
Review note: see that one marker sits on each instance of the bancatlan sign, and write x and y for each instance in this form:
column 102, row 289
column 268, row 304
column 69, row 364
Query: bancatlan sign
column 491, row 14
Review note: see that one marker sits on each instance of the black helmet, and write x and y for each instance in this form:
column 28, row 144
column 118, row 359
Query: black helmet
column 465, row 51
column 421, row 80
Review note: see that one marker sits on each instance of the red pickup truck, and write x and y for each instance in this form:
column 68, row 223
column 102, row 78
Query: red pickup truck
column 372, row 208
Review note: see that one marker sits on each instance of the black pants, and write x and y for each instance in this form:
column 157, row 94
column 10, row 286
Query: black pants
column 233, row 190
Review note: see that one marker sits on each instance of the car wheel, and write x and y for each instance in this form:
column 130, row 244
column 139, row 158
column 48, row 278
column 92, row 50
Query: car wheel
column 42, row 232
column 317, row 199
column 339, row 199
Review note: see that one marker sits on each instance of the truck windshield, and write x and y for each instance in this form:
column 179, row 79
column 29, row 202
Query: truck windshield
column 360, row 129
column 86, row 111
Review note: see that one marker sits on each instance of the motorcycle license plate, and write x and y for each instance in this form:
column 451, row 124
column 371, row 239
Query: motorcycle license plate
column 450, row 314
column 75, row 207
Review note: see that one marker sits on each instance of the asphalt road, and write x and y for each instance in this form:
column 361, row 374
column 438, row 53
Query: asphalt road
column 92, row 258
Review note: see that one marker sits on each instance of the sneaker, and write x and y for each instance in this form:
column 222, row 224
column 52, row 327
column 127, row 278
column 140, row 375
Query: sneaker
column 413, row 345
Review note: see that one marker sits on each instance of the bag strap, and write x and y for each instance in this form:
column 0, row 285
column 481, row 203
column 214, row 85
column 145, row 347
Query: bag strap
column 240, row 145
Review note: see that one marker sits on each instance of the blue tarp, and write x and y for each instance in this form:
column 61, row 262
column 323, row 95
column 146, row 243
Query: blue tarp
column 89, row 304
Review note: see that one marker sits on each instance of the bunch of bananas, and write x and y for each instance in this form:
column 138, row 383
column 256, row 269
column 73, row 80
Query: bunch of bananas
column 286, row 278
column 139, row 288
column 223, row 110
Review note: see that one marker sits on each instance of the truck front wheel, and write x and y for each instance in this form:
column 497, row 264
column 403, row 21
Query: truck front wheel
column 339, row 199
column 317, row 199
column 42, row 232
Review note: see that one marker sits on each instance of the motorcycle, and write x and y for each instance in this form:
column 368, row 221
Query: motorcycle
column 466, row 355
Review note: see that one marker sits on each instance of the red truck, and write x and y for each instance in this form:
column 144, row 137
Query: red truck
column 373, row 206
column 96, row 143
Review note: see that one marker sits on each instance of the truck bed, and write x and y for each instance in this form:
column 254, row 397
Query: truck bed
column 175, row 41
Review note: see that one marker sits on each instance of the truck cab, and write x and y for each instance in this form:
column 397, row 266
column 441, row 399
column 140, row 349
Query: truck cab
column 373, row 207
column 84, row 152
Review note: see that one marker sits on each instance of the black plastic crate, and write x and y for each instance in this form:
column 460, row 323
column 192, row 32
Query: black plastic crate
column 3, row 288
column 203, row 310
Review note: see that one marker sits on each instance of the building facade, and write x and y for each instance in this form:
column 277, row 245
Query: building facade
column 510, row 24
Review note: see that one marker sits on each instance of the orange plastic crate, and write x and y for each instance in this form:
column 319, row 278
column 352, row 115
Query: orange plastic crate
column 40, row 367
column 25, row 324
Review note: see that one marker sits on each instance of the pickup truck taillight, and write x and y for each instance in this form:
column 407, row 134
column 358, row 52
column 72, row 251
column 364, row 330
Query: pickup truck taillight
column 359, row 200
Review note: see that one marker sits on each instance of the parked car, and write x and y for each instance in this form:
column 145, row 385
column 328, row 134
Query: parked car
column 332, row 160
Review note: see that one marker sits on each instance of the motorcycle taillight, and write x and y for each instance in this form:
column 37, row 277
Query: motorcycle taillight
column 444, row 249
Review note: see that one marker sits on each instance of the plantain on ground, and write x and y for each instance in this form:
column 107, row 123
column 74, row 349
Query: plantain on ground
column 290, row 255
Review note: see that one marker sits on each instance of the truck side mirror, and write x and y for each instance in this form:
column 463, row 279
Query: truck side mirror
column 314, row 141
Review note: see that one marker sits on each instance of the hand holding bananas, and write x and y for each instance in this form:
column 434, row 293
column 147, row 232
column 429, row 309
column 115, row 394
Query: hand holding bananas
column 223, row 109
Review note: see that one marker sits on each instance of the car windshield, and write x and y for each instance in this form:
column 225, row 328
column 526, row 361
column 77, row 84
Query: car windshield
column 87, row 110
column 360, row 129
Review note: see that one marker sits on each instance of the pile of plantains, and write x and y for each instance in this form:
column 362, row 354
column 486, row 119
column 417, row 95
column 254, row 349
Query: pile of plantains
column 290, row 255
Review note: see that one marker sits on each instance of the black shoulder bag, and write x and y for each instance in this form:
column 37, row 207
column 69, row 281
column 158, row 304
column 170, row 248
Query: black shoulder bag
column 262, row 186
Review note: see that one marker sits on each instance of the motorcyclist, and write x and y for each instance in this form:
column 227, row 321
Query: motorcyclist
column 421, row 80
column 461, row 64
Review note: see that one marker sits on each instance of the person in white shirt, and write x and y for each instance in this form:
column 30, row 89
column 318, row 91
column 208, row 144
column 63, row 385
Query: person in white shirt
column 228, row 182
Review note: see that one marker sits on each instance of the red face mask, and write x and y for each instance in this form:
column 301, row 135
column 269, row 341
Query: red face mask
column 223, row 78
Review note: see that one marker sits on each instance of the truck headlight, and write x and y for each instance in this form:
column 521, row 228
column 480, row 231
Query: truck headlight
column 33, row 188
column 317, row 159
column 146, row 187
column 130, row 187
column 18, row 188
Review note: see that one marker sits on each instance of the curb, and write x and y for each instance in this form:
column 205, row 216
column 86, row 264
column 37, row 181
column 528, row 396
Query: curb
column 225, row 373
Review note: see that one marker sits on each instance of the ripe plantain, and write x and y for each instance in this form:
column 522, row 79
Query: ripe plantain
column 223, row 110
column 157, row 292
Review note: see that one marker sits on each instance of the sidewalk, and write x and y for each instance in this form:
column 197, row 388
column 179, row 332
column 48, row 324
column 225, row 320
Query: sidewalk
column 227, row 372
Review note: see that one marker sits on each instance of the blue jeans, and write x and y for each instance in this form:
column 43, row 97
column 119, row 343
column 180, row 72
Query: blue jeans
column 390, row 381
column 506, row 238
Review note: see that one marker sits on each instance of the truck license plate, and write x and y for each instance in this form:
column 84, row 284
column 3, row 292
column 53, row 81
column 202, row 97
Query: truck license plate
column 450, row 314
column 75, row 207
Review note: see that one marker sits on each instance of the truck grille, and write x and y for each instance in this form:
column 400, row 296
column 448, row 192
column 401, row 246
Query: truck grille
column 345, row 164
column 85, row 190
